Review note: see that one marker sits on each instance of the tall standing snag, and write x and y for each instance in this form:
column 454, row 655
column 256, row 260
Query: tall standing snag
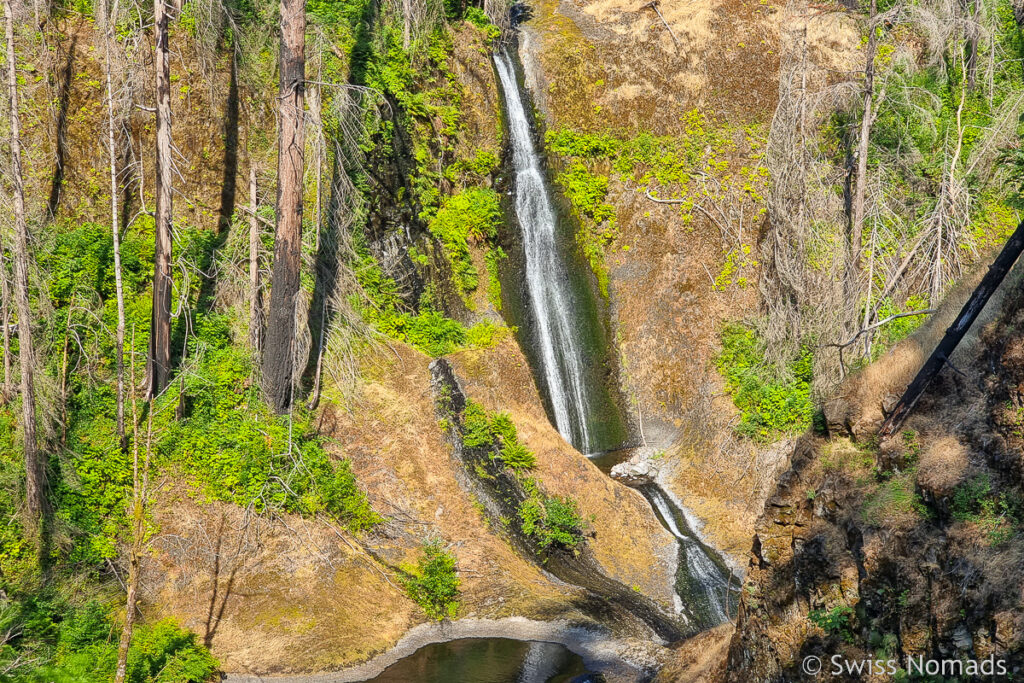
column 278, row 362
column 867, row 119
column 34, row 474
column 255, row 297
column 988, row 285
column 108, row 39
column 158, row 366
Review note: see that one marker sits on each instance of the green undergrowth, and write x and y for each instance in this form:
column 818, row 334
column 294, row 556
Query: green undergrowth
column 433, row 582
column 769, row 405
column 427, row 329
column 998, row 516
column 470, row 217
column 665, row 166
column 77, row 642
column 549, row 521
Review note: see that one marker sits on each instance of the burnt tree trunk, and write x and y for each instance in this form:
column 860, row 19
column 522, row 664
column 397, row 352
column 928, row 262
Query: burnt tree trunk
column 278, row 361
column 159, row 362
column 996, row 272
column 35, row 476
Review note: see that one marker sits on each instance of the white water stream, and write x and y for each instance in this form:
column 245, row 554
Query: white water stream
column 551, row 299
column 701, row 583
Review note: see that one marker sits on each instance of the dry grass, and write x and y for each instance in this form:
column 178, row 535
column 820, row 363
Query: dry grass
column 700, row 659
column 627, row 539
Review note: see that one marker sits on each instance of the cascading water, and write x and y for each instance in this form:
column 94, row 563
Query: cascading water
column 558, row 322
column 551, row 297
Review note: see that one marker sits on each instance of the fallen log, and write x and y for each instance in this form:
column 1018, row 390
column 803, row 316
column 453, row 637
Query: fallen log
column 955, row 334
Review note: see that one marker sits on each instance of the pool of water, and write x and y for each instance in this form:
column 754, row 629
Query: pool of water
column 490, row 660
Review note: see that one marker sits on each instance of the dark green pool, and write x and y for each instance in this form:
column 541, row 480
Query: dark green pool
column 489, row 660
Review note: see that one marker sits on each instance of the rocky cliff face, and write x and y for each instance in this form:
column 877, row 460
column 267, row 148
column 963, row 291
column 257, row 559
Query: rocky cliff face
column 908, row 548
column 618, row 68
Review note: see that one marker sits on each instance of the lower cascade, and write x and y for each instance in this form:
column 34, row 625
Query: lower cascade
column 705, row 586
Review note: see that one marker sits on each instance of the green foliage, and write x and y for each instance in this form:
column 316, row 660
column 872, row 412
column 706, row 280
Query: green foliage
column 893, row 497
column 496, row 432
column 837, row 621
column 491, row 259
column 997, row 515
column 479, row 18
column 476, row 428
column 550, row 520
column 645, row 160
column 434, row 583
column 769, row 405
column 239, row 451
column 465, row 218
column 483, row 163
column 586, row 191
column 427, row 330
column 79, row 645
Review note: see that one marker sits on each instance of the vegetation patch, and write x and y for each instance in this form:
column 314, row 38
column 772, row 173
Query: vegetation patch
column 667, row 163
column 837, row 621
column 769, row 405
column 433, row 583
column 79, row 645
column 550, row 520
column 465, row 218
column 996, row 515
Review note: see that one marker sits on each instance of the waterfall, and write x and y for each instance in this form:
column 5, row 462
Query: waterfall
column 708, row 587
column 547, row 281
column 558, row 325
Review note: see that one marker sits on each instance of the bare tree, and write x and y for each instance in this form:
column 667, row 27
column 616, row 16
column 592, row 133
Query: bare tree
column 35, row 477
column 255, row 295
column 866, row 121
column 278, row 358
column 5, row 321
column 159, row 360
column 137, row 534
column 108, row 44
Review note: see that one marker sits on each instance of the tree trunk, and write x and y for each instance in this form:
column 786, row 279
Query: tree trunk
column 5, row 320
column 34, row 473
column 114, row 229
column 136, row 529
column 129, row 617
column 972, row 46
column 255, row 296
column 996, row 272
column 160, row 331
column 278, row 361
column 406, row 23
column 857, row 226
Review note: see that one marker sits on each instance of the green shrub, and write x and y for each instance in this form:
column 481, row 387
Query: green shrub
column 434, row 583
column 79, row 645
column 496, row 432
column 517, row 456
column 476, row 429
column 470, row 216
column 768, row 404
column 550, row 520
column 997, row 515
column 837, row 621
